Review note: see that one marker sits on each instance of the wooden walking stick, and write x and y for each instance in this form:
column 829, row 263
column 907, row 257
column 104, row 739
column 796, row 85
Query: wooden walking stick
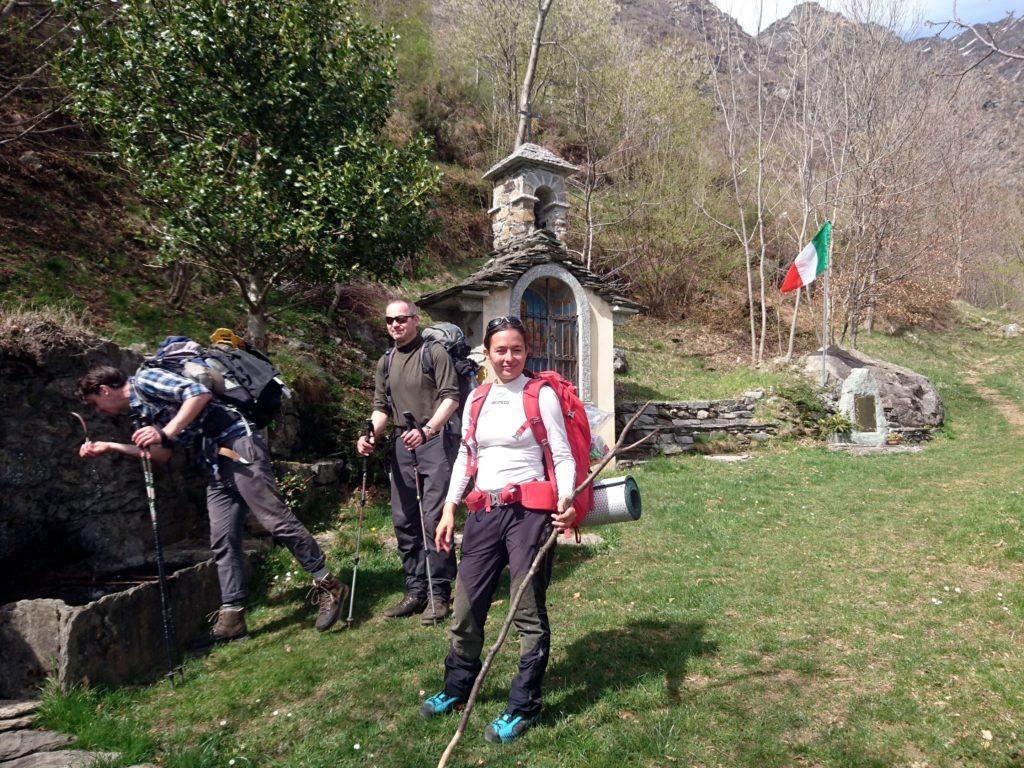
column 534, row 567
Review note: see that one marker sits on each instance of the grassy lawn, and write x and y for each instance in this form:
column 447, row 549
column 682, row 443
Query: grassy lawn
column 803, row 608
column 663, row 368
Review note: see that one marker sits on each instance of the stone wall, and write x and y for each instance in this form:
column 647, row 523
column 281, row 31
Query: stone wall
column 58, row 508
column 115, row 640
column 681, row 424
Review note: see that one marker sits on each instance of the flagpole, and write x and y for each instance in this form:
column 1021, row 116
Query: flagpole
column 824, row 316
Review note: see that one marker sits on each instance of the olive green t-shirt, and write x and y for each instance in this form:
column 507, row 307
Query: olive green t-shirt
column 411, row 389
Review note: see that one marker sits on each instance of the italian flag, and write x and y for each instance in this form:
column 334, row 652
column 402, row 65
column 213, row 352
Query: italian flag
column 810, row 262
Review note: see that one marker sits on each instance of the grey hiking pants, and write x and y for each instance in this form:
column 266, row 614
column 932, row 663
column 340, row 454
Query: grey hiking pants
column 237, row 487
column 507, row 535
column 435, row 459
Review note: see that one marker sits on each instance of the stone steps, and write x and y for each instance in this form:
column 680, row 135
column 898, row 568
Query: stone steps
column 22, row 746
column 65, row 758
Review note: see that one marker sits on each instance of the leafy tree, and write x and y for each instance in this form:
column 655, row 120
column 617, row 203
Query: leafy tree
column 257, row 131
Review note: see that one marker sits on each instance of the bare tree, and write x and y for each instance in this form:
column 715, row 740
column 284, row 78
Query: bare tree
column 31, row 100
column 987, row 37
column 525, row 116
column 750, row 122
column 803, row 139
column 883, row 197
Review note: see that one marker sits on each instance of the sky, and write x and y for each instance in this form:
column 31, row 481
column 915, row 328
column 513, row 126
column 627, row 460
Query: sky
column 746, row 11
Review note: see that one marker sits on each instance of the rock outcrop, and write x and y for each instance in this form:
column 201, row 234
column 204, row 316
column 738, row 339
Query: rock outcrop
column 909, row 400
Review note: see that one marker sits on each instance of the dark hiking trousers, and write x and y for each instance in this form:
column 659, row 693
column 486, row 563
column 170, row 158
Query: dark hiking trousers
column 237, row 487
column 435, row 459
column 508, row 535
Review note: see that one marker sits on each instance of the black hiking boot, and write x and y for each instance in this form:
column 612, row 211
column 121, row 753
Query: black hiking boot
column 407, row 606
column 328, row 594
column 230, row 625
column 437, row 615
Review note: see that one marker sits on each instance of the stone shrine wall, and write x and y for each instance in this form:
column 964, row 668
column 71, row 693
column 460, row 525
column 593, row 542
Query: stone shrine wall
column 681, row 423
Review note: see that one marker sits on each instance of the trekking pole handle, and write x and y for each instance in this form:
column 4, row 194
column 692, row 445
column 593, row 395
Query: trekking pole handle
column 138, row 423
column 369, row 429
column 410, row 423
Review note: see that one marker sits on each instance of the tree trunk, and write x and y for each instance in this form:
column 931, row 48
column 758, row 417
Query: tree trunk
column 256, row 321
column 750, row 306
column 588, row 207
column 256, row 329
column 338, row 291
column 764, row 299
column 869, row 303
column 531, row 70
column 792, row 327
column 181, row 280
column 854, row 321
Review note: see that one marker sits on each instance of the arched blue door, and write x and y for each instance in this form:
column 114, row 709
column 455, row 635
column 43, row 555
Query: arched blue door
column 548, row 310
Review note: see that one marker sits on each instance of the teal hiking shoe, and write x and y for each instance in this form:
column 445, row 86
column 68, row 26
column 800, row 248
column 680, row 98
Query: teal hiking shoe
column 440, row 703
column 508, row 727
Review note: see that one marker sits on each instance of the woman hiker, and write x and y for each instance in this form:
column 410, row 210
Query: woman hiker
column 512, row 507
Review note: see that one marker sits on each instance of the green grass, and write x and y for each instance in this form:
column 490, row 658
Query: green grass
column 659, row 370
column 1008, row 382
column 802, row 608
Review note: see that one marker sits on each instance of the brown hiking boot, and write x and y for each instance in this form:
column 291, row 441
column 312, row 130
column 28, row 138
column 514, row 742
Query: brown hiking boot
column 328, row 594
column 437, row 615
column 407, row 606
column 230, row 625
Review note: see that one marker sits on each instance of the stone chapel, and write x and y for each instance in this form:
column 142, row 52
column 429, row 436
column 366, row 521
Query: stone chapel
column 570, row 312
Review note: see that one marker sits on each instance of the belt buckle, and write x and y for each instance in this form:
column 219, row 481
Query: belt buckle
column 494, row 499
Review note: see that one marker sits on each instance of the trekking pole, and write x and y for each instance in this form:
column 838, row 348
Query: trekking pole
column 410, row 423
column 513, row 605
column 359, row 531
column 165, row 605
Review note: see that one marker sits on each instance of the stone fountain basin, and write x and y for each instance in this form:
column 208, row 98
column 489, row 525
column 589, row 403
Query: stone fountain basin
column 113, row 640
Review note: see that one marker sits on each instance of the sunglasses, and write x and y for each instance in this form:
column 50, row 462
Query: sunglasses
column 398, row 319
column 506, row 322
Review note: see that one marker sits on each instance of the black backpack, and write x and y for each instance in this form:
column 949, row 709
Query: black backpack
column 243, row 380
column 451, row 337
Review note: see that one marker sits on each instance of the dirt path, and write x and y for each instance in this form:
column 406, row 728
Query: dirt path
column 1009, row 409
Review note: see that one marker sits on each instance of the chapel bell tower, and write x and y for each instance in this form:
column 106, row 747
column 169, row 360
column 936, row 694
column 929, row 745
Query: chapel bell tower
column 529, row 195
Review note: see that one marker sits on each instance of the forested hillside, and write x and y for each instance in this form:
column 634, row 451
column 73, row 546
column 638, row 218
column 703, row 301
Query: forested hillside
column 707, row 158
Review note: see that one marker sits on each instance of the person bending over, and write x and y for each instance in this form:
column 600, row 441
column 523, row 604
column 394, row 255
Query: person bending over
column 178, row 411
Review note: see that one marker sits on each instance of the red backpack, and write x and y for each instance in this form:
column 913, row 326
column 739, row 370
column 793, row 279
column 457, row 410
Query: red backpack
column 577, row 430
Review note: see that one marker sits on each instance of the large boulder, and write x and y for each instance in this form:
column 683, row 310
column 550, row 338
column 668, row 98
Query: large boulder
column 908, row 398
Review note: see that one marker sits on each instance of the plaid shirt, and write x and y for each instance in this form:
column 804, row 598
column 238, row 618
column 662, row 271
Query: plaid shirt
column 156, row 395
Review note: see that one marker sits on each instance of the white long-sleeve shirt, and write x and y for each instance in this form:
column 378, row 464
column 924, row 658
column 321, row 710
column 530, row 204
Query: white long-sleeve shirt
column 504, row 458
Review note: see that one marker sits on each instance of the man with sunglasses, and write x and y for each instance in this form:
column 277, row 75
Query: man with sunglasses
column 402, row 386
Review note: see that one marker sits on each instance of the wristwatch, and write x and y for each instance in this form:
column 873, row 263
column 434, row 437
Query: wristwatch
column 429, row 429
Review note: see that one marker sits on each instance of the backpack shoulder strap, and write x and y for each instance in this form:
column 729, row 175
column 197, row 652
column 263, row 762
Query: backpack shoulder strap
column 427, row 358
column 476, row 404
column 534, row 422
column 388, row 357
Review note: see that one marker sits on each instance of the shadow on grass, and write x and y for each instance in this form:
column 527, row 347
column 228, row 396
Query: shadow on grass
column 594, row 664
column 375, row 584
column 371, row 585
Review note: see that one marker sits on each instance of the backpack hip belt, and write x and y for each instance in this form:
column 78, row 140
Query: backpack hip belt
column 537, row 495
column 577, row 430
